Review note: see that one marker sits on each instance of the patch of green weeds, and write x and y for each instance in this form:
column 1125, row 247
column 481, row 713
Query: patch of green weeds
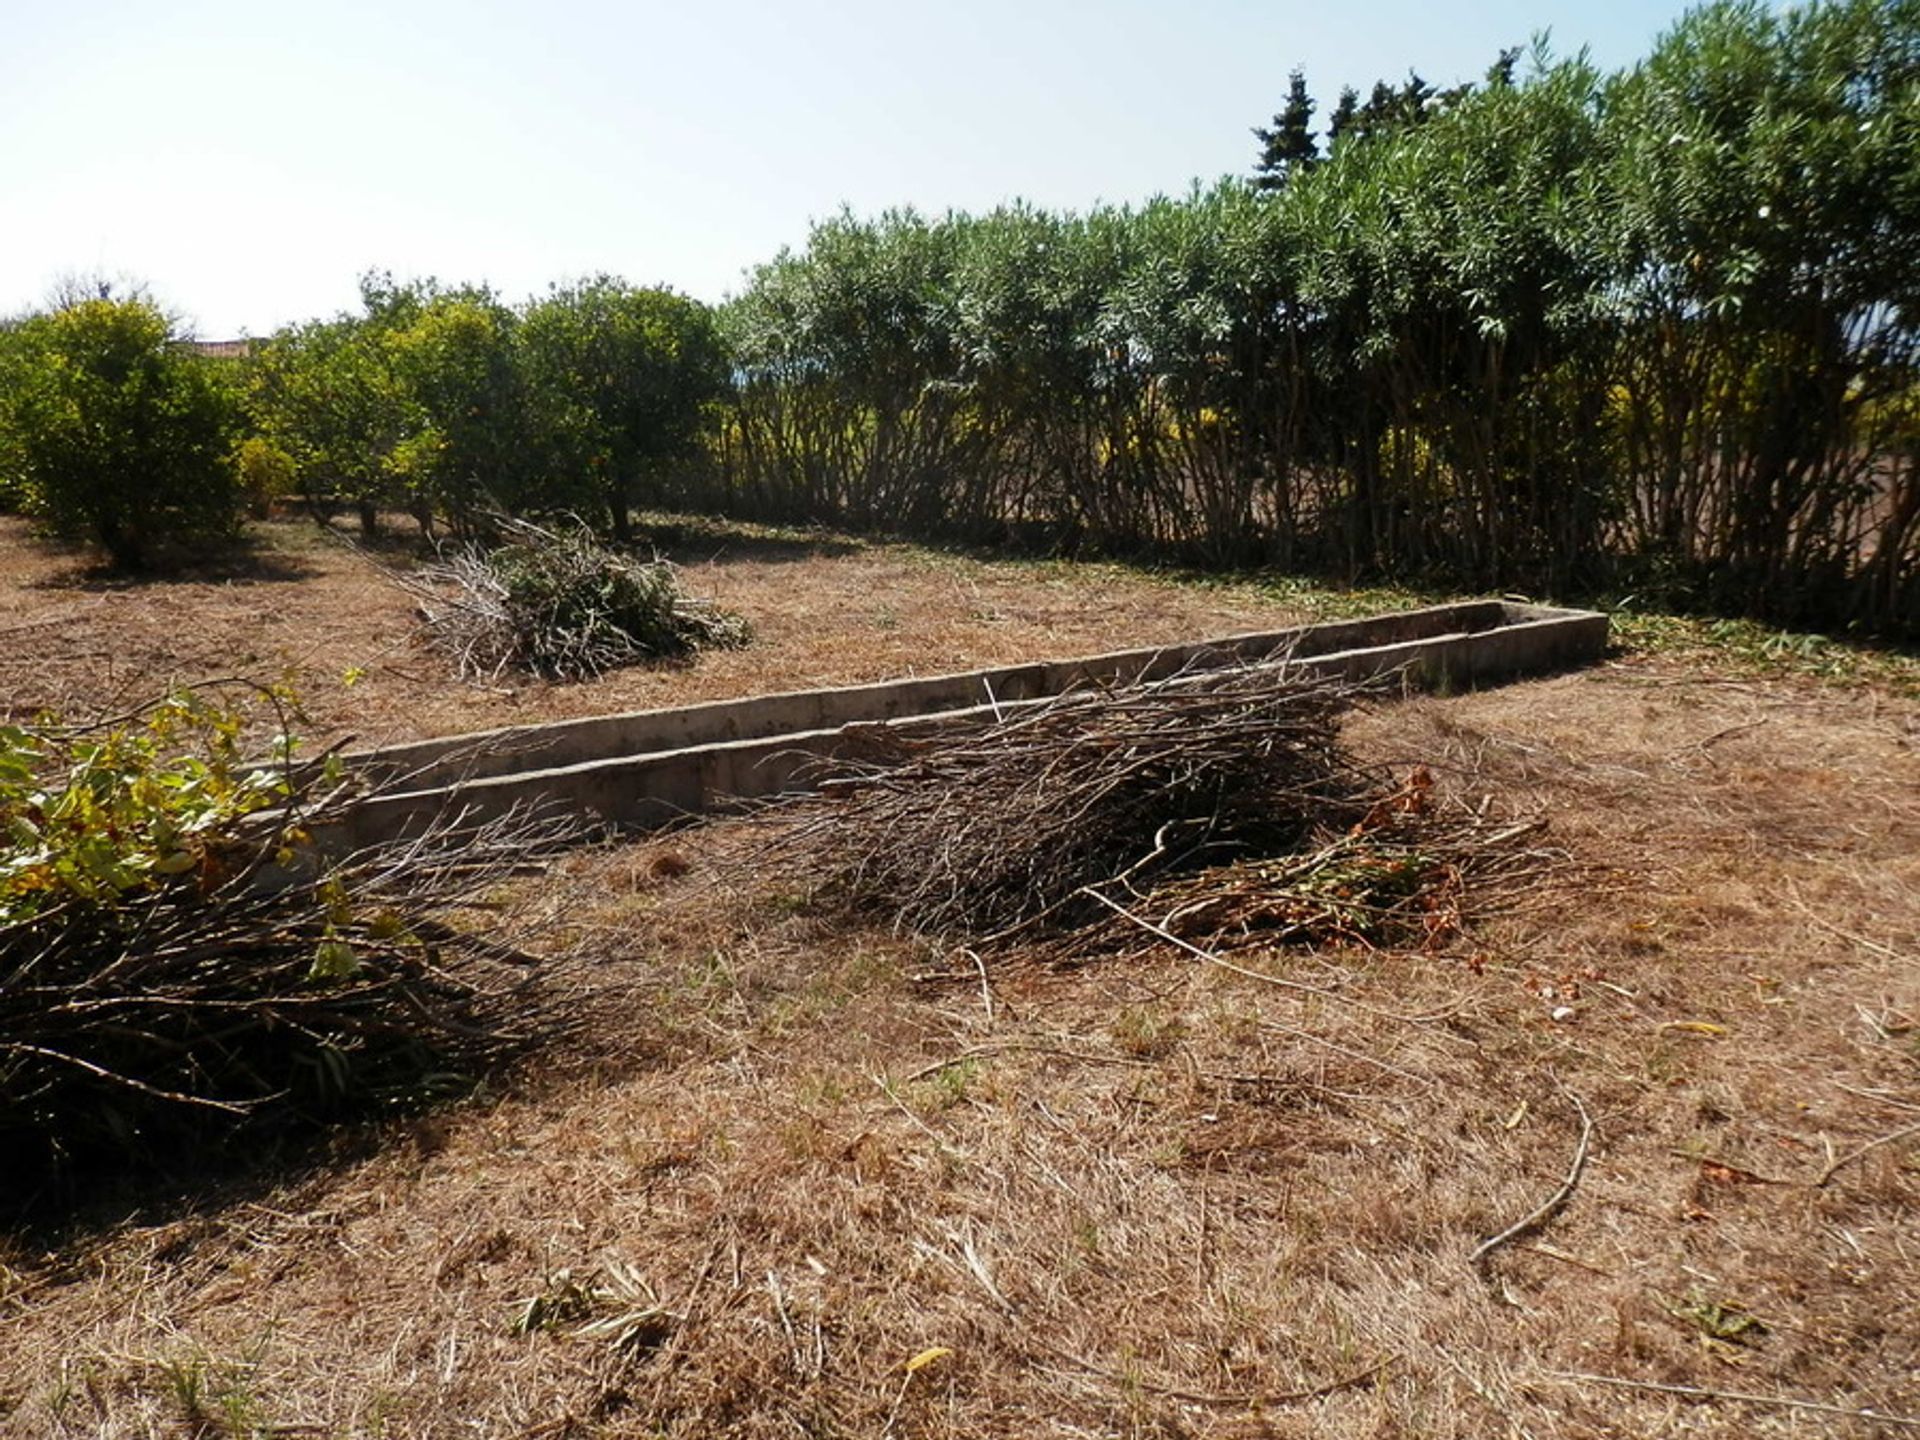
column 1718, row 1320
column 216, row 1396
column 949, row 1086
column 1321, row 601
column 1750, row 649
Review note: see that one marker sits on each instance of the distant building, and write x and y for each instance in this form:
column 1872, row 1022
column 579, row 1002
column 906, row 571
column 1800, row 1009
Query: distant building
column 222, row 349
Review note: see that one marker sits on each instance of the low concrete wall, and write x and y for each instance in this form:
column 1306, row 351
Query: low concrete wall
column 648, row 768
column 517, row 749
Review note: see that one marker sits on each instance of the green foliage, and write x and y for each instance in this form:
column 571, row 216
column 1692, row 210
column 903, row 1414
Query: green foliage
column 1290, row 146
column 12, row 466
column 560, row 605
column 1554, row 331
column 328, row 396
column 1750, row 648
column 115, row 433
column 453, row 405
column 1760, row 164
column 456, row 358
column 267, row 474
column 89, row 817
column 630, row 605
column 623, row 380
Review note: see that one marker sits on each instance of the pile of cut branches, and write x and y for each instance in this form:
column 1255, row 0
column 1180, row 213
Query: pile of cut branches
column 1397, row 877
column 179, row 969
column 985, row 831
column 559, row 604
column 1221, row 802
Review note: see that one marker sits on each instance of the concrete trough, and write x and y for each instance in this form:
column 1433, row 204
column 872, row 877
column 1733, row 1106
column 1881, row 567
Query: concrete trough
column 647, row 768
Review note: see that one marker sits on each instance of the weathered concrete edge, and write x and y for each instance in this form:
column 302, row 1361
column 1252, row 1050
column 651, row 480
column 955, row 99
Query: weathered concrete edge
column 516, row 749
column 649, row 790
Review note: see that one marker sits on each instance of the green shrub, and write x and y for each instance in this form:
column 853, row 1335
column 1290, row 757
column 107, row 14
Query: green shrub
column 266, row 475
column 116, row 434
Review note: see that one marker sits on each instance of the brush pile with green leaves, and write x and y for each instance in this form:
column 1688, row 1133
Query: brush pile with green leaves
column 179, row 968
column 558, row 604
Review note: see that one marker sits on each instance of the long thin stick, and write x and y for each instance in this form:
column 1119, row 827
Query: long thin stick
column 1553, row 1202
column 1023, row 1047
column 1206, row 1397
column 1696, row 1392
column 1835, row 1166
column 1212, row 959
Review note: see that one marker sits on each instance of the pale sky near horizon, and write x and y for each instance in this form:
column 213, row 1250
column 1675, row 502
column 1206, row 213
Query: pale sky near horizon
column 248, row 161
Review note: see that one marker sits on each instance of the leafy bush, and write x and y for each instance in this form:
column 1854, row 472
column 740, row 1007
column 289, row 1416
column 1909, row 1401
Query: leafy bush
column 622, row 380
column 116, row 434
column 327, row 395
column 89, row 818
column 179, row 967
column 560, row 605
column 266, row 475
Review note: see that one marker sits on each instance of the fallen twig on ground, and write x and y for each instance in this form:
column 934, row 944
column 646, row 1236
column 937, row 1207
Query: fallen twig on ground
column 1547, row 1209
column 1248, row 1400
column 1834, row 1167
column 1743, row 1397
column 1087, row 1057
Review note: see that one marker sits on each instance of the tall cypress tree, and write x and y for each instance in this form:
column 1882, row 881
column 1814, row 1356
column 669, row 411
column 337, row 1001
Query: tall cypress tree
column 1290, row 145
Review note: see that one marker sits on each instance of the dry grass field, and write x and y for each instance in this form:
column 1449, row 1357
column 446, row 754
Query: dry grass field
column 825, row 611
column 802, row 1178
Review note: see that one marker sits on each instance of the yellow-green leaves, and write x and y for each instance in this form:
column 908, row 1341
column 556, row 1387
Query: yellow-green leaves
column 92, row 816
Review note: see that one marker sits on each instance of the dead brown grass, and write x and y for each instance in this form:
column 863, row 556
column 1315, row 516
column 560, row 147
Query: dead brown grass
column 824, row 611
column 1144, row 1197
column 831, row 1182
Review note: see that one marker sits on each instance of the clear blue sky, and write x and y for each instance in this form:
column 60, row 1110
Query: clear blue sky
column 249, row 160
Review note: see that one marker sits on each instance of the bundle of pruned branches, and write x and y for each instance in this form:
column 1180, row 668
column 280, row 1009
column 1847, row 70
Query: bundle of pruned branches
column 559, row 604
column 986, row 830
column 1212, row 808
column 180, row 970
column 1396, row 877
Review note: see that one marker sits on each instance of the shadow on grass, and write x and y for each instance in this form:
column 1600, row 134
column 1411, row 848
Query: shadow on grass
column 702, row 540
column 252, row 560
column 56, row 1216
column 59, row 1219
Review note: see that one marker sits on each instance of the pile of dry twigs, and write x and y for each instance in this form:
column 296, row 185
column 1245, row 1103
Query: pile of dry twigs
column 1222, row 802
column 559, row 604
column 984, row 831
column 1398, row 877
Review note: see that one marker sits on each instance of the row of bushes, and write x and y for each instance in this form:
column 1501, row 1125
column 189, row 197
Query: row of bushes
column 453, row 405
column 1654, row 328
column 1580, row 330
column 448, row 403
